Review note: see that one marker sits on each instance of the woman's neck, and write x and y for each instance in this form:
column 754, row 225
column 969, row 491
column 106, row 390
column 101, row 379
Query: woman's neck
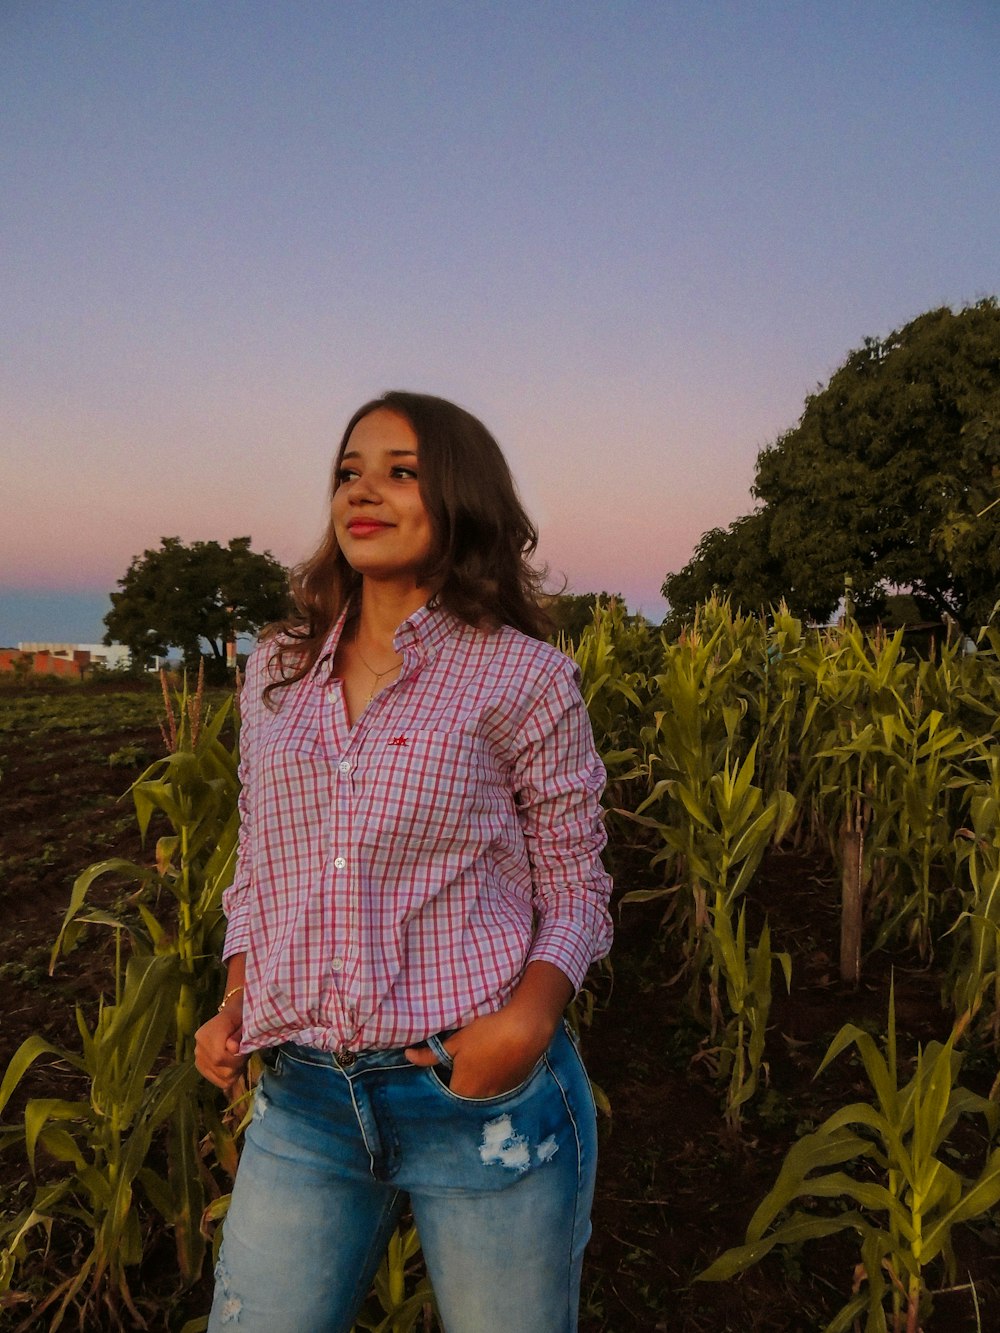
column 383, row 608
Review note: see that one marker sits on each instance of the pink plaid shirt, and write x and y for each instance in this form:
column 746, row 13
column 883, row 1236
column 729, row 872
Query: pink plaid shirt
column 395, row 877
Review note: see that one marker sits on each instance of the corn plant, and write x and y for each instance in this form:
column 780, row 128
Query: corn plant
column 398, row 1310
column 747, row 978
column 915, row 812
column 976, row 964
column 942, row 679
column 908, row 1200
column 779, row 701
column 103, row 1139
column 737, row 830
column 195, row 788
column 689, row 739
column 856, row 681
column 975, row 692
column 147, row 1035
column 722, row 830
column 719, row 826
column 607, row 653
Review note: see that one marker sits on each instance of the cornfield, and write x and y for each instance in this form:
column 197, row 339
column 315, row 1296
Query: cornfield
column 738, row 737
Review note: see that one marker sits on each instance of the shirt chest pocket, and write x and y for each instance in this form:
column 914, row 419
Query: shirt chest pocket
column 430, row 792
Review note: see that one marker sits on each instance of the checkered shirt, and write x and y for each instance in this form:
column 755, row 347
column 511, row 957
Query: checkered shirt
column 395, row 877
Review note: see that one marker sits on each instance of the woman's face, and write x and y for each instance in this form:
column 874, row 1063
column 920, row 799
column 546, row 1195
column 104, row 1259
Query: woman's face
column 379, row 517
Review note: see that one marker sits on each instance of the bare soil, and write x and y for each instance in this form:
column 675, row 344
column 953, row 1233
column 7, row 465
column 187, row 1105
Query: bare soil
column 675, row 1188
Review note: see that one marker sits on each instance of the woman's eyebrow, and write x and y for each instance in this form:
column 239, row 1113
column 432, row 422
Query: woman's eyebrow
column 392, row 453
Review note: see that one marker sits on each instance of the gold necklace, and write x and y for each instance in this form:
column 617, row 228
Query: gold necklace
column 377, row 674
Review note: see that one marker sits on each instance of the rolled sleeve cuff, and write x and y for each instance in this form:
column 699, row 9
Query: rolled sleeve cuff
column 237, row 940
column 572, row 947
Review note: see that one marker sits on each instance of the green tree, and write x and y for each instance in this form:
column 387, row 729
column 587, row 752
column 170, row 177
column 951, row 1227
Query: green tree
column 735, row 561
column 572, row 612
column 181, row 596
column 892, row 476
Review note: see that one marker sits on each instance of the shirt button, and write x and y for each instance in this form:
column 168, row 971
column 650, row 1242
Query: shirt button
column 345, row 766
column 337, row 964
column 340, row 862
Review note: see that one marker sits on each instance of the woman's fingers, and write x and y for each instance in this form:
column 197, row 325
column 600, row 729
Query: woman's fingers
column 421, row 1055
column 217, row 1050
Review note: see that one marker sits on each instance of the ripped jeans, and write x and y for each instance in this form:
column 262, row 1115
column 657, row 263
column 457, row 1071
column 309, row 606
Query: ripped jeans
column 500, row 1189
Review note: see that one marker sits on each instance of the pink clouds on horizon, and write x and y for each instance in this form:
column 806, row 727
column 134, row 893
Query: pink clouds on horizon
column 592, row 555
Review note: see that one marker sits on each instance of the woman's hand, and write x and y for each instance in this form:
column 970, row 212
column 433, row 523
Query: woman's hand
column 496, row 1052
column 491, row 1055
column 217, row 1048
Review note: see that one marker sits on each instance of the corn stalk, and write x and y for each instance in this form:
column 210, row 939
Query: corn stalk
column 722, row 830
column 854, row 682
column 689, row 739
column 976, row 963
column 908, row 1200
column 747, row 978
column 915, row 813
column 103, row 1139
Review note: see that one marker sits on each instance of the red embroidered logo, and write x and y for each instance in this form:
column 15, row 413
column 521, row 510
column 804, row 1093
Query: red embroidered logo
column 398, row 740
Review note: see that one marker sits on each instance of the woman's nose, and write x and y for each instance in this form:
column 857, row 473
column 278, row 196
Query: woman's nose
column 364, row 491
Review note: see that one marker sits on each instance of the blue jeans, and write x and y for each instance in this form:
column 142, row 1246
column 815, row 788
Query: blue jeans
column 500, row 1189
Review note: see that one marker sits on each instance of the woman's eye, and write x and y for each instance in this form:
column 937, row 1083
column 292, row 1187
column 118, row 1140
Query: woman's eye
column 404, row 472
column 345, row 474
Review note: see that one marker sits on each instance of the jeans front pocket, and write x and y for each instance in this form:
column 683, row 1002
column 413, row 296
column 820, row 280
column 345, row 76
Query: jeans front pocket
column 440, row 1077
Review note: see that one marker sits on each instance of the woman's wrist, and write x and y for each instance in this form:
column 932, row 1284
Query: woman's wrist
column 232, row 999
column 538, row 1001
column 230, row 993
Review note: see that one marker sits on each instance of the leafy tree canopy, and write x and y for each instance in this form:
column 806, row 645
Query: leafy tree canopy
column 179, row 596
column 572, row 612
column 892, row 476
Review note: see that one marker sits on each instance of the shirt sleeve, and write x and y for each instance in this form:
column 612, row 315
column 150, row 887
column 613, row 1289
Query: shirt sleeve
column 558, row 779
column 236, row 899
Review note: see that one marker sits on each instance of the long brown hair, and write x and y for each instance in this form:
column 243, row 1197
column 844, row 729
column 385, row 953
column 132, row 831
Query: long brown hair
column 481, row 567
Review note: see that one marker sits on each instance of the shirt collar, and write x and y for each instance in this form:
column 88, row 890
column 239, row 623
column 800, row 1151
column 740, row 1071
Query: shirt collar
column 425, row 631
column 421, row 635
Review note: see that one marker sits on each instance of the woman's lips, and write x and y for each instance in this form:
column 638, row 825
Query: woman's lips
column 365, row 527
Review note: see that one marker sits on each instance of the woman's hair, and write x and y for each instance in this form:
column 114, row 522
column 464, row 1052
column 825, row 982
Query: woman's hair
column 480, row 565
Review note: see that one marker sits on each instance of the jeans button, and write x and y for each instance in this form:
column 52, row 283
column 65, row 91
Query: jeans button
column 345, row 1059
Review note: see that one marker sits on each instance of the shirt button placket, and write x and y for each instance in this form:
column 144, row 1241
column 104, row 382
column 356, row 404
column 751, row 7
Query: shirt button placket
column 345, row 767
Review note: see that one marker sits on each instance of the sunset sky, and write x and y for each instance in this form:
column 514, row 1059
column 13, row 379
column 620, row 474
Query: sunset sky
column 631, row 237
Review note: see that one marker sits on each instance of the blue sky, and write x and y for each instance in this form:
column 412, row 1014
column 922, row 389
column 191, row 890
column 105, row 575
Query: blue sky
column 632, row 238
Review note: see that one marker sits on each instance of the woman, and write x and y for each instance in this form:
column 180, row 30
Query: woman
column 419, row 894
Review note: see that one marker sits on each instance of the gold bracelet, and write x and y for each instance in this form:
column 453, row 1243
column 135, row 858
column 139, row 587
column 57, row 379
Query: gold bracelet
column 228, row 996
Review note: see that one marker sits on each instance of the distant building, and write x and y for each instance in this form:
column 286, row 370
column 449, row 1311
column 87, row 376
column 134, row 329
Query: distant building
column 64, row 659
column 115, row 656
